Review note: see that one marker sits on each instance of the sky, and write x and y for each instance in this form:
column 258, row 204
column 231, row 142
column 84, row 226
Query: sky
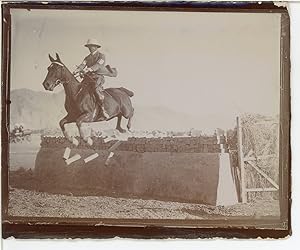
column 210, row 65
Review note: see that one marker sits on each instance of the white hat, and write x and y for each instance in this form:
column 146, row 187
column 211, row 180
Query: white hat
column 92, row 42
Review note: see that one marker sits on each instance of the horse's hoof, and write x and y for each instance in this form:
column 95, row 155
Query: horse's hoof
column 89, row 141
column 75, row 142
column 121, row 130
column 102, row 119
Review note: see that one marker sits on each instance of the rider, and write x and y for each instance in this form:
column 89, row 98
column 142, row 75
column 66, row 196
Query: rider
column 93, row 66
column 21, row 128
column 16, row 129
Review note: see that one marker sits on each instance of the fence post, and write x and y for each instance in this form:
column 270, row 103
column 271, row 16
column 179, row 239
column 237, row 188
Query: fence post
column 241, row 160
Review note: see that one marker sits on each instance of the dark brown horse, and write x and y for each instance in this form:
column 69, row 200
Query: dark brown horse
column 81, row 104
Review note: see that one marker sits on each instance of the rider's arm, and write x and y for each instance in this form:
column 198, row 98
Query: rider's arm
column 99, row 64
column 80, row 67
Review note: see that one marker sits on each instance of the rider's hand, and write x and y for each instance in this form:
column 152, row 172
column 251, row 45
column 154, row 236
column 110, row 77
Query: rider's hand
column 86, row 70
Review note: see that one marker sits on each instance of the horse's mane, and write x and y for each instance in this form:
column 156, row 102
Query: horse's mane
column 71, row 74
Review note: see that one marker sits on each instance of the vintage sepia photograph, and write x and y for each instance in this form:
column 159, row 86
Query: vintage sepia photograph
column 143, row 117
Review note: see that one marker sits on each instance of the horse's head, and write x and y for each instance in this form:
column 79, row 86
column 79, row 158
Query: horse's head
column 55, row 74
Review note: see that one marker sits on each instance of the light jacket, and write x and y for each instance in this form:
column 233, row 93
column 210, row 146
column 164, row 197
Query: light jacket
column 95, row 62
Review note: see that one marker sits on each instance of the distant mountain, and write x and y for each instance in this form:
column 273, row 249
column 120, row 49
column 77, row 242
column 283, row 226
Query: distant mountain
column 36, row 109
column 41, row 110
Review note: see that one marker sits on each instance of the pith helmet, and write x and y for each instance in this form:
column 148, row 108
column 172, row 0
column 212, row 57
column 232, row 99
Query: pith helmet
column 92, row 42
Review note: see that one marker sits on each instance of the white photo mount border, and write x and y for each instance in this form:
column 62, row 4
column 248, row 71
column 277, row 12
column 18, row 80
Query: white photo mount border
column 25, row 227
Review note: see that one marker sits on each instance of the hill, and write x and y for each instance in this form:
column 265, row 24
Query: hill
column 42, row 110
column 36, row 109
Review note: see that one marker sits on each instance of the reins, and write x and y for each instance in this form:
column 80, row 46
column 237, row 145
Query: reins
column 82, row 86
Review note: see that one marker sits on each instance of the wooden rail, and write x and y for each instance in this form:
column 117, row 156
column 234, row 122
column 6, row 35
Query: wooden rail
column 261, row 189
column 263, row 174
column 241, row 160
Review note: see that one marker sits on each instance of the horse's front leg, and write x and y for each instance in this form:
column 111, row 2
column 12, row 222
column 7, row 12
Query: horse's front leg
column 84, row 118
column 62, row 123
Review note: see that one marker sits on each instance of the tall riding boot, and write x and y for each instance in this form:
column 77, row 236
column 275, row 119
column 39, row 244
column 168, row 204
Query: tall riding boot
column 100, row 100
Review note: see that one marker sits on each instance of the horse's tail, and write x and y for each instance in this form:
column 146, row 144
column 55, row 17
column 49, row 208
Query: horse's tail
column 128, row 92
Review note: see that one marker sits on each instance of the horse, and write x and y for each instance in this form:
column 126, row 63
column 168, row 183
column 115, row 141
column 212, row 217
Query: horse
column 81, row 104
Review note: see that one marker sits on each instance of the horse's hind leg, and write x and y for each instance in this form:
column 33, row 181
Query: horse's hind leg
column 119, row 124
column 129, row 120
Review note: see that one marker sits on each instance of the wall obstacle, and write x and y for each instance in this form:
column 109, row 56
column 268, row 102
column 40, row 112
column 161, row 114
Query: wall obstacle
column 184, row 169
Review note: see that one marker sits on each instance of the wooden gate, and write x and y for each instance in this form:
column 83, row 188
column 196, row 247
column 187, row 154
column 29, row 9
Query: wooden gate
column 251, row 160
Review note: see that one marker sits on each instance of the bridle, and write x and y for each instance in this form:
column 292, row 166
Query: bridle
column 58, row 81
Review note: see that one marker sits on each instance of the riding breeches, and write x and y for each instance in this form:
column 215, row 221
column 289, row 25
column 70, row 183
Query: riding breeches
column 95, row 82
column 99, row 88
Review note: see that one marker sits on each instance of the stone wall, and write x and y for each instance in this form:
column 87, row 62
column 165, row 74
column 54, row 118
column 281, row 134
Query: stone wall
column 165, row 144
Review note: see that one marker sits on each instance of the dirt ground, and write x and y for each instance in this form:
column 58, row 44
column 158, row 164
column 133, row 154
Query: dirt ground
column 37, row 204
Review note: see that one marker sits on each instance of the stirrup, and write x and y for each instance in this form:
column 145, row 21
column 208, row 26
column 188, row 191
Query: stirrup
column 104, row 114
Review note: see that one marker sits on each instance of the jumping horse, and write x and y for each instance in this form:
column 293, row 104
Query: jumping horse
column 81, row 104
